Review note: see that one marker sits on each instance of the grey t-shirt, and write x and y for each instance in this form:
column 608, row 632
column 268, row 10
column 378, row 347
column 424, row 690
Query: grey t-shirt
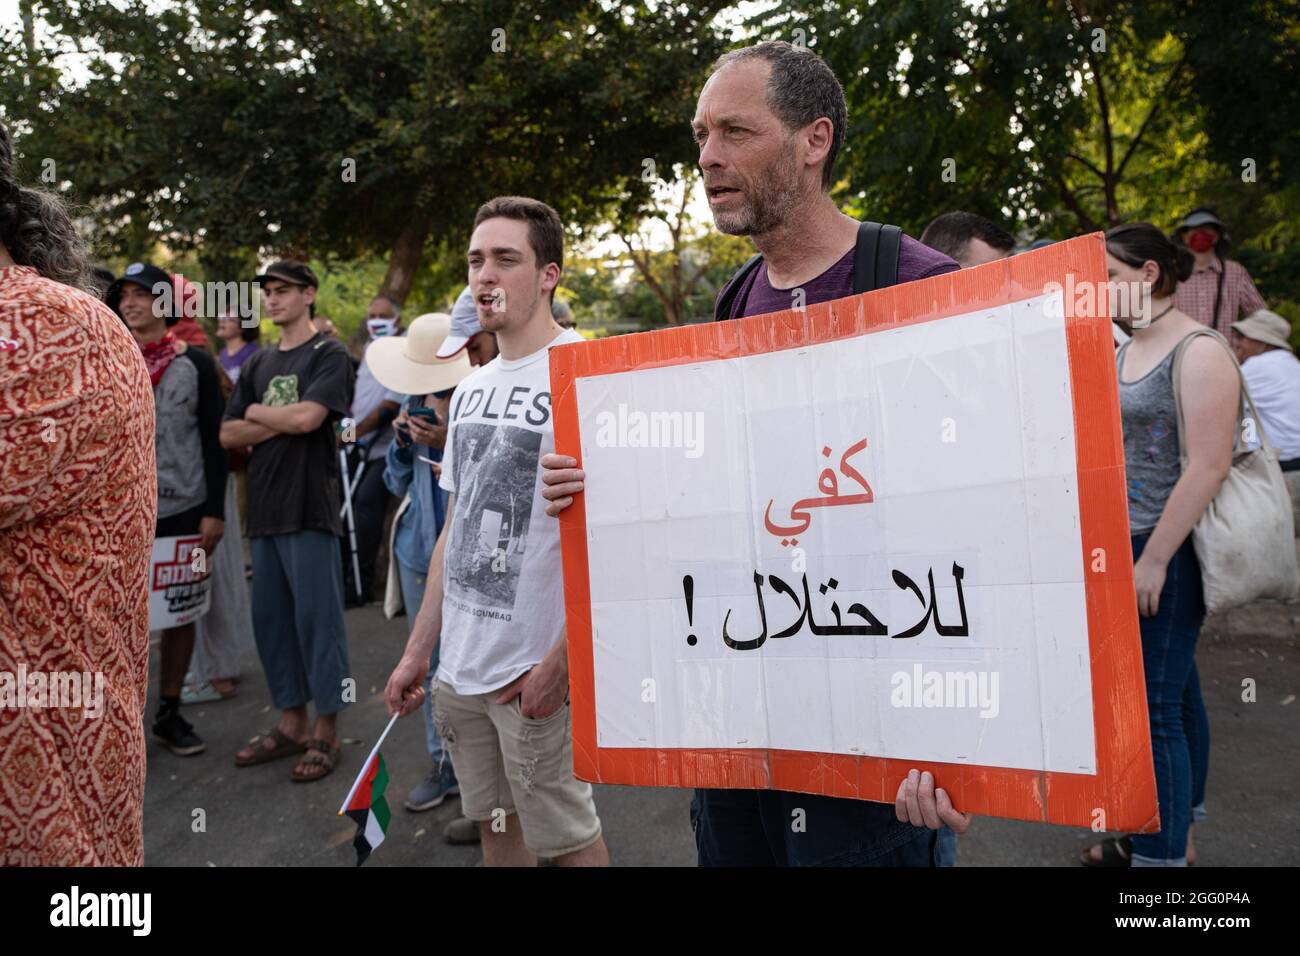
column 1150, row 420
column 187, row 436
column 366, row 397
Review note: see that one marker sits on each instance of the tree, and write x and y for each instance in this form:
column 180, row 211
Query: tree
column 1045, row 113
column 350, row 128
column 676, row 273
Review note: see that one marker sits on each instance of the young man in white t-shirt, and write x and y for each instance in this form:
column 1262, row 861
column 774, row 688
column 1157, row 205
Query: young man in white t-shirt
column 494, row 598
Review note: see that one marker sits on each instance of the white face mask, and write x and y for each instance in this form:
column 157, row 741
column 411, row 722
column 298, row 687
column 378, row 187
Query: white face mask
column 381, row 327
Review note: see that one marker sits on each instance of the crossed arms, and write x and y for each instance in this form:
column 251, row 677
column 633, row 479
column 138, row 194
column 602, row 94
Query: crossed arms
column 261, row 422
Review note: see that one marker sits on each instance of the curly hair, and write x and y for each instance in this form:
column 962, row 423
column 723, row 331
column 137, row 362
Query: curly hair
column 36, row 229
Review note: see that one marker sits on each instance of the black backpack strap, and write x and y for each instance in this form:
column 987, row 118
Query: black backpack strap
column 722, row 308
column 891, row 244
column 1218, row 295
column 875, row 264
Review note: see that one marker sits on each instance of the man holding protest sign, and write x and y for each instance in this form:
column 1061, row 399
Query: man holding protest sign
column 494, row 595
column 769, row 123
column 190, row 460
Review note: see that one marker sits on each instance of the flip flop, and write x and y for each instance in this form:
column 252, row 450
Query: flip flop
column 284, row 746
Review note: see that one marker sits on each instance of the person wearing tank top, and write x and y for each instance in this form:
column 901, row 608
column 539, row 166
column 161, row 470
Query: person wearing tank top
column 1165, row 501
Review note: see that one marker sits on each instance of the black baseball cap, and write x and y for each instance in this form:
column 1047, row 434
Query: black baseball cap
column 149, row 278
column 291, row 271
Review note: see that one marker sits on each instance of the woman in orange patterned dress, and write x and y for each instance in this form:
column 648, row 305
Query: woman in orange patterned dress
column 77, row 512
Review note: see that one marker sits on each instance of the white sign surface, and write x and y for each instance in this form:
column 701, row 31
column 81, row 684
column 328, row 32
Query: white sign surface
column 738, row 497
column 180, row 585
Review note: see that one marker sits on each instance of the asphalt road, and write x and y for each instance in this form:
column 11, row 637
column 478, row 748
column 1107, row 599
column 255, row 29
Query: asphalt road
column 257, row 816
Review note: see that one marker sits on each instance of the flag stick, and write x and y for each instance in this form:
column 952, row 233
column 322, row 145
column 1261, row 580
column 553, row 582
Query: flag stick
column 357, row 782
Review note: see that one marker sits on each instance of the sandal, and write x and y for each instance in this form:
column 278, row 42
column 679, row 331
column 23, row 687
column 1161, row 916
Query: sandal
column 1117, row 851
column 284, row 746
column 320, row 753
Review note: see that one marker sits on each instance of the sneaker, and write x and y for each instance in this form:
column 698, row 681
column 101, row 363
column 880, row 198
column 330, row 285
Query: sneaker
column 203, row 693
column 175, row 731
column 431, row 792
column 461, row 832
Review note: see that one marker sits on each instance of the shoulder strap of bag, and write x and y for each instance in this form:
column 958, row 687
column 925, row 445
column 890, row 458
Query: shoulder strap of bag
column 1245, row 402
column 875, row 265
column 722, row 308
column 1218, row 294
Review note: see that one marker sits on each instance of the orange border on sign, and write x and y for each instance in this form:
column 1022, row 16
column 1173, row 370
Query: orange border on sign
column 1124, row 785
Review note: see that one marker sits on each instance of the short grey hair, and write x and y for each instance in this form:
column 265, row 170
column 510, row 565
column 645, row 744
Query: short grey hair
column 801, row 89
column 397, row 306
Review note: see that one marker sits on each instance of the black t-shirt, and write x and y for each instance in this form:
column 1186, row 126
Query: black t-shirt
column 293, row 480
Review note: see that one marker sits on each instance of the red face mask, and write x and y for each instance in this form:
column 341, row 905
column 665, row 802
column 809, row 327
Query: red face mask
column 1201, row 240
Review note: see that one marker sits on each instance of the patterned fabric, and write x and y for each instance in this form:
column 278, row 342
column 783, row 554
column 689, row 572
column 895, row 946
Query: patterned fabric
column 77, row 508
column 1196, row 296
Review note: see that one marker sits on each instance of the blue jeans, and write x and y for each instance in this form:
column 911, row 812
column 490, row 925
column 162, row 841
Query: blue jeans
column 1180, row 730
column 780, row 828
column 1196, row 724
column 413, row 583
column 298, row 619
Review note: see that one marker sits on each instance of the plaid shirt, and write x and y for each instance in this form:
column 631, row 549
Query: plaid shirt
column 1196, row 296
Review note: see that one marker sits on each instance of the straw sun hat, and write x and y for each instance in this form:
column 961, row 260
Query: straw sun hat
column 409, row 363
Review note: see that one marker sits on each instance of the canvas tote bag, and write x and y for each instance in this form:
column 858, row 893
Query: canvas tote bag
column 1245, row 540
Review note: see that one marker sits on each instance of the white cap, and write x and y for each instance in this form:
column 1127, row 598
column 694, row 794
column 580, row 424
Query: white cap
column 464, row 325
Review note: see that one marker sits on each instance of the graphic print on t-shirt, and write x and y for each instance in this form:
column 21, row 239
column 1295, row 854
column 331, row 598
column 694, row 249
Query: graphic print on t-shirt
column 496, row 475
column 503, row 596
column 281, row 390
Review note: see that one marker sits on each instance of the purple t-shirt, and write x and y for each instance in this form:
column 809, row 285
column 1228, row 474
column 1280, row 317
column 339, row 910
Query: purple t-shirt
column 757, row 297
column 232, row 363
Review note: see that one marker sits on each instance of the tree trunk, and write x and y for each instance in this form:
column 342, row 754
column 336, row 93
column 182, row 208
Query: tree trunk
column 29, row 39
column 405, row 259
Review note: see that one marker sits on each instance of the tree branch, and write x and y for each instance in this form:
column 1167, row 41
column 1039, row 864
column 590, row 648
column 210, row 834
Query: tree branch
column 1103, row 107
column 642, row 262
column 1092, row 166
column 1156, row 103
column 1086, row 222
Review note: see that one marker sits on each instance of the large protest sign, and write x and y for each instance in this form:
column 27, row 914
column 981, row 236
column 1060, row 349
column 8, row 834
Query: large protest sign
column 819, row 548
column 180, row 583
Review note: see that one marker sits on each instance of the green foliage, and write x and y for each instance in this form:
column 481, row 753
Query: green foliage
column 675, row 260
column 217, row 134
column 207, row 123
column 346, row 288
column 1059, row 117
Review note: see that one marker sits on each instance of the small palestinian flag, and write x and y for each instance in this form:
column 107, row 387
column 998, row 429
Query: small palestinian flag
column 367, row 806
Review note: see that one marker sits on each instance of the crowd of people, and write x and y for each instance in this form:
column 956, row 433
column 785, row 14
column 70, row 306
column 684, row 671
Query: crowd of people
column 308, row 453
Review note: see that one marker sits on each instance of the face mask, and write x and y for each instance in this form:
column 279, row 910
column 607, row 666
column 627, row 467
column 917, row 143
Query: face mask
column 381, row 327
column 1202, row 240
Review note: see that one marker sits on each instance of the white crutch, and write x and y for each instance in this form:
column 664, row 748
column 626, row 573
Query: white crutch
column 346, row 514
